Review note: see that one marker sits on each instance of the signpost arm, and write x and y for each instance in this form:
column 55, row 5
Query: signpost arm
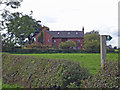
column 103, row 50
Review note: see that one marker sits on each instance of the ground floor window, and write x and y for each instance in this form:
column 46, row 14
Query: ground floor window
column 78, row 48
column 54, row 41
column 74, row 48
column 78, row 41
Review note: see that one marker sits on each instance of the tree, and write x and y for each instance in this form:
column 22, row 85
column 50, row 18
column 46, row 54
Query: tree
column 5, row 6
column 109, row 48
column 5, row 11
column 21, row 26
column 115, row 47
column 67, row 45
column 92, row 42
column 41, row 38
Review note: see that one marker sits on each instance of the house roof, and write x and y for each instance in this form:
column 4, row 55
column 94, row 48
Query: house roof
column 66, row 34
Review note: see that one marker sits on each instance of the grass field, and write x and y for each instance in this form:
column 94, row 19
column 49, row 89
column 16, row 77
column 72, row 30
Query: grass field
column 91, row 61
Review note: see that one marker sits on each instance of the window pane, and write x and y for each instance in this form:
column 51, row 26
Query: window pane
column 48, row 40
column 78, row 48
column 79, row 41
column 54, row 40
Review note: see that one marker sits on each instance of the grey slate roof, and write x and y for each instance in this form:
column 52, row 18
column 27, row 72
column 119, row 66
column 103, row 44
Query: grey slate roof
column 66, row 34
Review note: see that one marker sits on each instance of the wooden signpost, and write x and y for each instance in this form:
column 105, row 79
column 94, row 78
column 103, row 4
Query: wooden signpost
column 103, row 39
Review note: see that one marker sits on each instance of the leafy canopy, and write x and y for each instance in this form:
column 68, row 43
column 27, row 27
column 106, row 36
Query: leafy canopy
column 67, row 45
column 22, row 26
column 92, row 42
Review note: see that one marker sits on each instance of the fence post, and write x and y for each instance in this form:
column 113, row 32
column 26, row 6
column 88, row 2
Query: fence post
column 103, row 50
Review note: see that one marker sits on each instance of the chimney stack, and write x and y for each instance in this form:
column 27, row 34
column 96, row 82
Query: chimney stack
column 83, row 28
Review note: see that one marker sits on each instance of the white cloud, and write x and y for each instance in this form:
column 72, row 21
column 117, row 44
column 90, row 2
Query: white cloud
column 99, row 15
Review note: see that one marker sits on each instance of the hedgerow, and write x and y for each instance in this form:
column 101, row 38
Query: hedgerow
column 109, row 77
column 33, row 72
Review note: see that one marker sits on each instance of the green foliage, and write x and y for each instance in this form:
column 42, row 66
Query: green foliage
column 21, row 26
column 67, row 45
column 105, row 78
column 92, row 42
column 34, row 72
column 108, row 49
column 35, row 46
column 72, row 85
column 7, row 44
column 11, row 3
column 5, row 12
column 4, row 86
column 41, row 38
column 54, row 46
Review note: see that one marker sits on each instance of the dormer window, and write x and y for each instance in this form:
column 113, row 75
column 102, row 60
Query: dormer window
column 68, row 32
column 76, row 32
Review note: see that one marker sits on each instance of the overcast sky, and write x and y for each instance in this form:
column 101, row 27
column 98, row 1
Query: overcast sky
column 100, row 15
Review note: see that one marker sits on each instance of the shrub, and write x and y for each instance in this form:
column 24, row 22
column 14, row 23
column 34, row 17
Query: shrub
column 34, row 72
column 30, row 45
column 106, row 78
column 67, row 45
column 35, row 46
column 111, row 50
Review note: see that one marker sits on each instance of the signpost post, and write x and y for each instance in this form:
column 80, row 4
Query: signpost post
column 103, row 39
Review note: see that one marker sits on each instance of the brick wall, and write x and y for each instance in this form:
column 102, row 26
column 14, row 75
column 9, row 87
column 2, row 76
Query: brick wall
column 58, row 41
column 47, row 39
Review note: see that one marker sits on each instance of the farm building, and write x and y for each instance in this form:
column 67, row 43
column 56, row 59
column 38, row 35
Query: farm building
column 50, row 38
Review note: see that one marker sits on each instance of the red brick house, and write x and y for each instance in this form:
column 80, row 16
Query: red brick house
column 56, row 37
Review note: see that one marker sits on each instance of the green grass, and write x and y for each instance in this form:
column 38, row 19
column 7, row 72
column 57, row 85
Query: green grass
column 8, row 85
column 91, row 61
column 11, row 86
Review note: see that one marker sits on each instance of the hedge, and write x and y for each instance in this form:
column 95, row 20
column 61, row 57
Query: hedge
column 109, row 77
column 34, row 72
column 38, row 50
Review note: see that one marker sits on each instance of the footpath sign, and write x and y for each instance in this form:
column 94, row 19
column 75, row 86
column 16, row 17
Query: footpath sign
column 108, row 37
column 103, row 39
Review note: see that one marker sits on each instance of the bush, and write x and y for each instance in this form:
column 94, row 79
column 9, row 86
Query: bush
column 42, row 50
column 34, row 72
column 92, row 42
column 35, row 46
column 110, row 50
column 106, row 78
column 67, row 45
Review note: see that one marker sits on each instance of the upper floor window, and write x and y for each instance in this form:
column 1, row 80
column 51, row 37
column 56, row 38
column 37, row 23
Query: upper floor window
column 48, row 40
column 68, row 32
column 78, row 41
column 76, row 32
